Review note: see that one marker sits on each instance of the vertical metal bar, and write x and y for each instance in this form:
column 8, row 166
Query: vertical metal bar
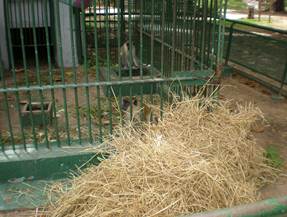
column 141, row 52
column 207, row 61
column 99, row 113
column 183, row 41
column 87, row 91
column 219, row 35
column 284, row 77
column 203, row 31
column 11, row 54
column 27, row 78
column 193, row 35
column 130, row 56
column 72, row 30
column 162, row 55
column 119, row 42
column 50, row 69
column 61, row 62
column 152, row 49
column 108, row 63
column 152, row 39
column 6, row 106
column 173, row 35
column 222, row 23
column 39, row 76
column 214, row 26
column 230, row 37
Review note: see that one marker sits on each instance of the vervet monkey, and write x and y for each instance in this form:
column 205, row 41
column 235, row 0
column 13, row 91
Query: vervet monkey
column 137, row 111
column 125, row 50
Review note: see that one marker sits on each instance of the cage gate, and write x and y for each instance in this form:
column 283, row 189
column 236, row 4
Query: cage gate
column 70, row 69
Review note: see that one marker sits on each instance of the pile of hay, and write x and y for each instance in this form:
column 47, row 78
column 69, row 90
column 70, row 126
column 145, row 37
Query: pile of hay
column 202, row 156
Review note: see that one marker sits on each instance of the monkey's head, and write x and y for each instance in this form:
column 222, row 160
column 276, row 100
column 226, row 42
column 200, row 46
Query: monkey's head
column 126, row 103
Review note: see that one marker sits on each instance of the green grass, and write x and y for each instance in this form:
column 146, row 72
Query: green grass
column 272, row 153
column 236, row 5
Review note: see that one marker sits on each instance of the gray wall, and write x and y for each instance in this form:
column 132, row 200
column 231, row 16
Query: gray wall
column 64, row 11
column 3, row 44
column 26, row 10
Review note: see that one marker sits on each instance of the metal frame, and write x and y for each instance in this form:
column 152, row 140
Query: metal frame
column 283, row 79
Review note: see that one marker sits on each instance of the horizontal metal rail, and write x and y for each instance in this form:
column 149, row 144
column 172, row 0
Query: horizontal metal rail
column 97, row 84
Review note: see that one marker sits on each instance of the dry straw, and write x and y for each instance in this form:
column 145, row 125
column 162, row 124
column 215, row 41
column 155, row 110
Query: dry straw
column 202, row 156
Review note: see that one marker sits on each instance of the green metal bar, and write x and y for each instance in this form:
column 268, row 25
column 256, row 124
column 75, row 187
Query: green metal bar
column 11, row 54
column 108, row 63
column 87, row 91
column 119, row 43
column 38, row 76
column 152, row 48
column 173, row 36
column 130, row 56
column 284, row 77
column 209, row 34
column 6, row 106
column 203, row 31
column 230, row 37
column 99, row 113
column 162, row 54
column 184, row 33
column 193, row 36
column 60, row 59
column 27, row 80
column 266, row 208
column 141, row 52
column 222, row 22
column 50, row 69
column 219, row 50
column 1, row 143
column 72, row 30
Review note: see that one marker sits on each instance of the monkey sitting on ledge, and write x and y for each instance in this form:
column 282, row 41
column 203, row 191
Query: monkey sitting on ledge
column 126, row 50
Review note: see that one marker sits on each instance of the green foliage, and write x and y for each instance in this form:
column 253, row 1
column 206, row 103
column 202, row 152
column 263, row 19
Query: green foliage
column 236, row 5
column 263, row 22
column 272, row 154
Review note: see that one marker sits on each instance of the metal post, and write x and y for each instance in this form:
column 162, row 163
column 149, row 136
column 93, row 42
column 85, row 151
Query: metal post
column 284, row 78
column 229, row 43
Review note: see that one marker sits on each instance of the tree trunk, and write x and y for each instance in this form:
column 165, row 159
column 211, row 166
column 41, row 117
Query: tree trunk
column 278, row 6
column 251, row 12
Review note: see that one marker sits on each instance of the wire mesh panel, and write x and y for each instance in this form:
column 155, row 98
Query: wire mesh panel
column 260, row 49
column 102, row 65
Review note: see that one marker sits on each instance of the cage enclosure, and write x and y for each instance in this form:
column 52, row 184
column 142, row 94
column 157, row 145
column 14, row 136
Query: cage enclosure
column 84, row 62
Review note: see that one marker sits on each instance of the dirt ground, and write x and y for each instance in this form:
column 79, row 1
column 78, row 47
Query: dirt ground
column 275, row 133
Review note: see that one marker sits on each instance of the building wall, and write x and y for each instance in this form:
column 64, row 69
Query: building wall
column 41, row 10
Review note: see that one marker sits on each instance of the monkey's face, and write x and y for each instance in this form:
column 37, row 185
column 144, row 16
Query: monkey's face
column 126, row 103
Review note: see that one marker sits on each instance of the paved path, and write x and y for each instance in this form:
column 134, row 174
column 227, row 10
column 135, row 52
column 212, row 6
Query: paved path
column 277, row 21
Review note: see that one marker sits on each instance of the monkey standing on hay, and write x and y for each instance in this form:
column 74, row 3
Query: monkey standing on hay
column 139, row 113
